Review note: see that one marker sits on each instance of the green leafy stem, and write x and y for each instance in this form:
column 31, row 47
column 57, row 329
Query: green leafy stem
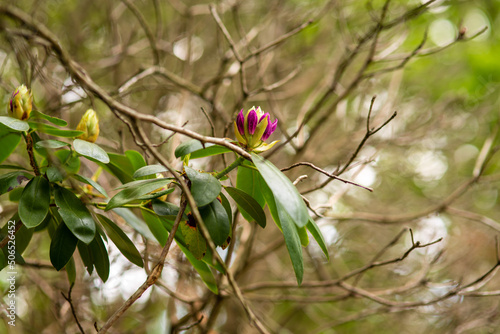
column 229, row 168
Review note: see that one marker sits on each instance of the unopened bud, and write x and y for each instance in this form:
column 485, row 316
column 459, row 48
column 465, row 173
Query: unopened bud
column 89, row 124
column 20, row 103
column 254, row 129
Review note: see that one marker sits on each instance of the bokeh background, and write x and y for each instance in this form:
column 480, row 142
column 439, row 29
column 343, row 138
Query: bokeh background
column 433, row 168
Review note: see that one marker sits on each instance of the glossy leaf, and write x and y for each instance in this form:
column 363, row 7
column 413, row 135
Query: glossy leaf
column 137, row 223
column 121, row 241
column 51, row 143
column 86, row 256
column 195, row 242
column 167, row 209
column 75, row 215
column 54, row 174
column 134, row 192
column 51, row 119
column 204, row 187
column 22, row 237
column 15, row 195
column 90, row 150
column 202, row 268
column 248, row 204
column 136, row 159
column 71, row 270
column 34, row 202
column 53, row 131
column 68, row 161
column 217, row 222
column 100, row 257
column 286, row 195
column 313, row 228
column 62, row 246
column 196, row 149
column 156, row 194
column 8, row 143
column 90, row 182
column 249, row 180
column 9, row 181
column 14, row 123
column 289, row 229
column 149, row 170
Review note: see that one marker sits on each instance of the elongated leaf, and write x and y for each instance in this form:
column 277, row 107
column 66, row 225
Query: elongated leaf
column 249, row 180
column 34, row 202
column 120, row 239
column 195, row 242
column 12, row 180
column 12, row 167
column 14, row 123
column 289, row 229
column 303, row 236
column 90, row 150
column 53, row 131
column 195, row 148
column 71, row 270
column 166, row 209
column 202, row 268
column 51, row 143
column 100, row 257
column 217, row 222
column 22, row 237
column 8, row 143
column 86, row 256
column 318, row 236
column 137, row 223
column 51, row 119
column 149, row 170
column 136, row 159
column 62, row 247
column 54, row 174
column 156, row 194
column 91, row 182
column 284, row 192
column 204, row 187
column 248, row 204
column 15, row 195
column 155, row 226
column 75, row 215
column 132, row 193
column 119, row 166
column 227, row 206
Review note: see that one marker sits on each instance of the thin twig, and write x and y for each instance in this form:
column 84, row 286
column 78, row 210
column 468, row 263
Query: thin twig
column 73, row 311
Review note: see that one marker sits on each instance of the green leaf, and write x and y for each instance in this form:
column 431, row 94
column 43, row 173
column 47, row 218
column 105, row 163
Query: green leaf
column 318, row 236
column 202, row 268
column 100, row 257
column 62, row 246
column 289, row 229
column 217, row 222
column 90, row 150
column 119, row 166
column 15, row 195
column 248, row 204
column 137, row 224
column 53, row 131
column 69, row 161
column 156, row 194
column 8, row 143
column 51, row 143
column 155, row 226
column 284, row 192
column 149, row 170
column 120, row 239
column 14, row 123
column 12, row 180
column 86, row 256
column 12, row 167
column 71, row 270
column 34, row 202
column 167, row 209
column 90, row 182
column 198, row 151
column 195, row 242
column 23, row 235
column 204, row 187
column 136, row 159
column 303, row 236
column 54, row 174
column 249, row 180
column 227, row 206
column 51, row 119
column 75, row 214
column 134, row 192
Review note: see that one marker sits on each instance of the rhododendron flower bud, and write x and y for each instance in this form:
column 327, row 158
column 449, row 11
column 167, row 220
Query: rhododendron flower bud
column 89, row 124
column 253, row 129
column 20, row 103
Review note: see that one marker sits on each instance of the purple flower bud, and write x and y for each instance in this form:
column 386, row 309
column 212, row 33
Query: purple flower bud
column 252, row 121
column 264, row 116
column 269, row 129
column 240, row 123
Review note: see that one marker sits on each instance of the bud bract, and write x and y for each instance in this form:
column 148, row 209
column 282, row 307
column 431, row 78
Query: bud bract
column 20, row 103
column 89, row 124
column 253, row 129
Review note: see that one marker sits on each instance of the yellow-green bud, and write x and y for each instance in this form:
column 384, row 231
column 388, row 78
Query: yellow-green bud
column 89, row 124
column 20, row 103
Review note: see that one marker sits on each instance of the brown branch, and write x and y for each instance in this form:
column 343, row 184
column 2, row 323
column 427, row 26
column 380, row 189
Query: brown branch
column 73, row 311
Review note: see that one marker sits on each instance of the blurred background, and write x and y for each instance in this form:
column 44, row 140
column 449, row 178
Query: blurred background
column 316, row 66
